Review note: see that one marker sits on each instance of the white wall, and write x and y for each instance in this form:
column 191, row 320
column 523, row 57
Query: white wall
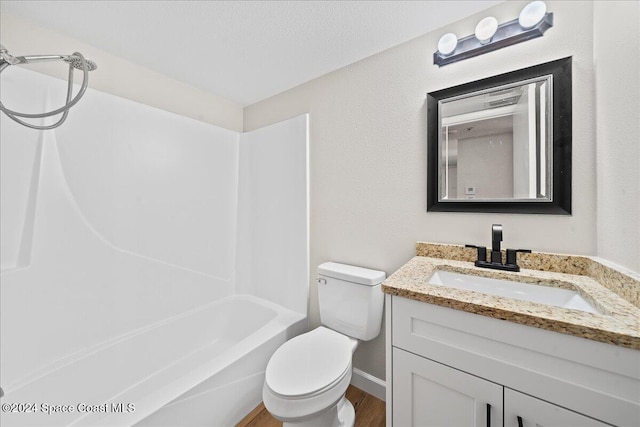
column 118, row 76
column 273, row 240
column 368, row 152
column 617, row 84
column 486, row 163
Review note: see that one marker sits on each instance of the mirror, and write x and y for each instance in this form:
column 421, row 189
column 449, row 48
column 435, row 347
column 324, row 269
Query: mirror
column 504, row 130
column 502, row 144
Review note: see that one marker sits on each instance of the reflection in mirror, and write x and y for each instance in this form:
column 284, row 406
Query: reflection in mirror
column 496, row 144
column 503, row 143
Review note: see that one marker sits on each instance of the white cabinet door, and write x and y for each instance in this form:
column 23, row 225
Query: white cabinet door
column 427, row 393
column 521, row 410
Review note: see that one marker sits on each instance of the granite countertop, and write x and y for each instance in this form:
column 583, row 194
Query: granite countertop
column 619, row 323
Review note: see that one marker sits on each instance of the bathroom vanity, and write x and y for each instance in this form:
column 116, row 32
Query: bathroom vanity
column 465, row 357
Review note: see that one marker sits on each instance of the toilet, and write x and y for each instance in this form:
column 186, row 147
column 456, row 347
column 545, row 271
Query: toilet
column 307, row 377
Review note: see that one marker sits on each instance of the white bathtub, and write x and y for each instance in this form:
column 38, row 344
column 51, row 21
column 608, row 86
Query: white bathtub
column 203, row 367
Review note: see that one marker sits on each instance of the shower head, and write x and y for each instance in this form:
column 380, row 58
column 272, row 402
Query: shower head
column 76, row 62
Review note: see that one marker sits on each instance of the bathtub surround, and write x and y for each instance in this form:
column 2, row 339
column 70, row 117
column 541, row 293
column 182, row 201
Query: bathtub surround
column 124, row 164
column 272, row 234
column 120, row 243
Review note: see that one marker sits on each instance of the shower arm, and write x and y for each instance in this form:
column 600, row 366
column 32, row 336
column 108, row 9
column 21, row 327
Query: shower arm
column 5, row 56
column 32, row 59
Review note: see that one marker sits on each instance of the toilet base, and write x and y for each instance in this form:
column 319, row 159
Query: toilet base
column 340, row 415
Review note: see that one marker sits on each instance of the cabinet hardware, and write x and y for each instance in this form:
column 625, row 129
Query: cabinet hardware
column 520, row 423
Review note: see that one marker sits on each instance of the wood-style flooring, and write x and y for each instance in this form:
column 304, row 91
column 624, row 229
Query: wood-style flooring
column 370, row 412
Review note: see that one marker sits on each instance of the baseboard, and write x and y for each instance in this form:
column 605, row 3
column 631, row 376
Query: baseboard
column 367, row 382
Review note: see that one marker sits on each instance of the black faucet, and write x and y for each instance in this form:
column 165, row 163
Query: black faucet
column 496, row 254
column 496, row 238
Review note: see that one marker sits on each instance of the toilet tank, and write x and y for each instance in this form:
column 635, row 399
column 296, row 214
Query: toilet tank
column 351, row 299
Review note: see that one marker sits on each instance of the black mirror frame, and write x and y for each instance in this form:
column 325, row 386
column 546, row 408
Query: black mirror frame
column 562, row 134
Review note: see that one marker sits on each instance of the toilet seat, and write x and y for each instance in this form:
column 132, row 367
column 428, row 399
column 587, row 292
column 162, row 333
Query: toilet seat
column 313, row 370
column 309, row 364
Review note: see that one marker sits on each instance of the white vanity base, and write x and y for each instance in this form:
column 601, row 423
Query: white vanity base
column 446, row 364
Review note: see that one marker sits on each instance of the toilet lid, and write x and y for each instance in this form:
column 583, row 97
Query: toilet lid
column 309, row 363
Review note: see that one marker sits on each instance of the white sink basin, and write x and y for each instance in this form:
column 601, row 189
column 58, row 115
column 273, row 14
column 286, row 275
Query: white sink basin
column 506, row 288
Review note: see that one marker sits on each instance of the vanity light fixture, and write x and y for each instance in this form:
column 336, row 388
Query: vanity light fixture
column 532, row 22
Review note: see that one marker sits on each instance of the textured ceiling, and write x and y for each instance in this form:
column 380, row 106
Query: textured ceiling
column 244, row 51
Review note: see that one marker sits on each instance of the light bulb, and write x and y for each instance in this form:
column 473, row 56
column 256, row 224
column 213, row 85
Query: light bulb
column 447, row 44
column 532, row 14
column 486, row 29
